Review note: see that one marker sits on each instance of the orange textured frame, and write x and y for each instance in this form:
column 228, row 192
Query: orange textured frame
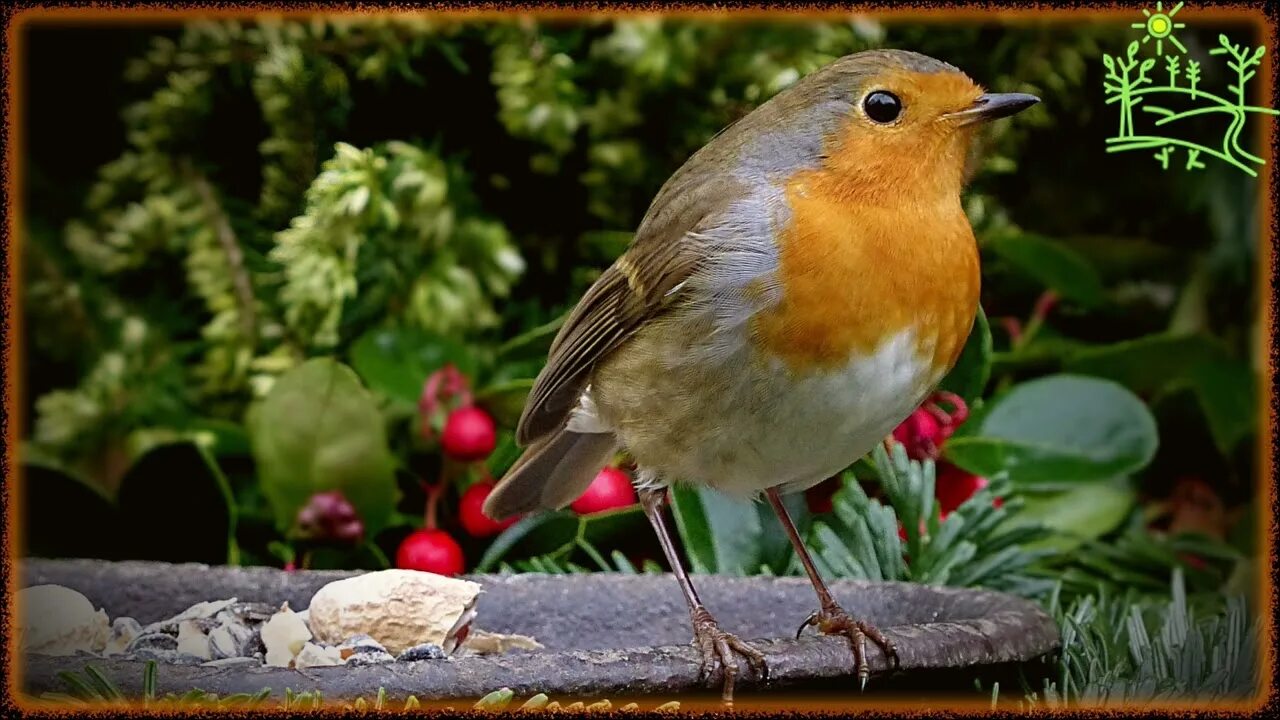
column 1263, row 19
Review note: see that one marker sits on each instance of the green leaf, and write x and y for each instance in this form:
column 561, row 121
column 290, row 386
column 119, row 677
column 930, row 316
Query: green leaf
column 973, row 368
column 505, row 401
column 1155, row 364
column 318, row 430
column 1226, row 391
column 721, row 535
column 221, row 437
column 1057, row 431
column 395, row 362
column 177, row 506
column 1147, row 364
column 1084, row 513
column 548, row 532
column 1052, row 264
column 52, row 502
column 775, row 546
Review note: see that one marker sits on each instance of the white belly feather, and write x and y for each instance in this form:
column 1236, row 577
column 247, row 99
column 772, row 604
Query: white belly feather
column 759, row 426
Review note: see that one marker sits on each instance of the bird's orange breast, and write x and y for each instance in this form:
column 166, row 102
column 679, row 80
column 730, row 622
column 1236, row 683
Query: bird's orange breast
column 854, row 274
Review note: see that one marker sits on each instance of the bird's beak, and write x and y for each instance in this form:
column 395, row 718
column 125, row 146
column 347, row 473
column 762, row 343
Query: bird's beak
column 993, row 105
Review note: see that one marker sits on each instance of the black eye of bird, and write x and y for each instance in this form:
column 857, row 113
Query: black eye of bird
column 882, row 106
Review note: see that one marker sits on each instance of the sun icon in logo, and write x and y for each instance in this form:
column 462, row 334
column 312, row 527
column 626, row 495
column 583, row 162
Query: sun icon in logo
column 1160, row 25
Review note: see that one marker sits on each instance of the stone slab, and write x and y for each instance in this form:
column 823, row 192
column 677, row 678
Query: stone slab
column 604, row 634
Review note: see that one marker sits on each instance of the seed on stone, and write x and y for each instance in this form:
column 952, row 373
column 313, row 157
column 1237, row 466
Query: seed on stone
column 123, row 632
column 425, row 651
column 192, row 640
column 313, row 655
column 222, row 643
column 152, row 641
column 374, row 657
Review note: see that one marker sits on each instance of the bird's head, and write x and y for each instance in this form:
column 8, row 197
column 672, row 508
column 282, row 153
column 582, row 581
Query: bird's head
column 903, row 122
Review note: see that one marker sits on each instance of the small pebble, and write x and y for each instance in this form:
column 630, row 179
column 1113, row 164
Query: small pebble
column 425, row 651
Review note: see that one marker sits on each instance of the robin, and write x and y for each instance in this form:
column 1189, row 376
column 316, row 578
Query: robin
column 794, row 291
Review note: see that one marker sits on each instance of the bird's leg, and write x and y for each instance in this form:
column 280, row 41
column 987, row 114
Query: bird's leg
column 716, row 646
column 830, row 618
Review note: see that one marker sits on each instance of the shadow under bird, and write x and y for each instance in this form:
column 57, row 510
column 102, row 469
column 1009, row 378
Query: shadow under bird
column 794, row 291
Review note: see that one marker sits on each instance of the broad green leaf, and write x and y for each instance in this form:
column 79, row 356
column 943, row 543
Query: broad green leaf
column 63, row 516
column 1059, row 430
column 1224, row 386
column 505, row 401
column 1146, row 364
column 973, row 368
column 547, row 532
column 1046, row 349
column 221, row 437
column 1227, row 395
column 317, row 430
column 396, row 361
column 1243, row 533
column 1052, row 264
column 721, row 535
column 176, row 506
column 1084, row 513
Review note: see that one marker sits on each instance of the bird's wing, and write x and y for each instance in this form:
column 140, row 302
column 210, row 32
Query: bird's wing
column 634, row 290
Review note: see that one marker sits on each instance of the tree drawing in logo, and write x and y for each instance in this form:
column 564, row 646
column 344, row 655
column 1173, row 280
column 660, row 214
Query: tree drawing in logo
column 1129, row 84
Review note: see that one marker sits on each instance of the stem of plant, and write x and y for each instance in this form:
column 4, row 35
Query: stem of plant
column 434, row 492
column 1044, row 305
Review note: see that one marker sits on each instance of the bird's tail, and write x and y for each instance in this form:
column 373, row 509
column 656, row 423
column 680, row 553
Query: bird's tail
column 551, row 474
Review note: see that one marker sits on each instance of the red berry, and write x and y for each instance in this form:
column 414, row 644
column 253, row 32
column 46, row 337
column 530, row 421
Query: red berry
column 611, row 489
column 920, row 434
column 330, row 516
column 475, row 522
column 431, row 551
column 954, row 486
column 469, row 434
column 818, row 497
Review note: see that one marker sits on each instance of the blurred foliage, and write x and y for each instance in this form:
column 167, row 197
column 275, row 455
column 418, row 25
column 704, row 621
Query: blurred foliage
column 248, row 272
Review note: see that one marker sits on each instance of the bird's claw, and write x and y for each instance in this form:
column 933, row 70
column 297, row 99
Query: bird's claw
column 833, row 620
column 717, row 648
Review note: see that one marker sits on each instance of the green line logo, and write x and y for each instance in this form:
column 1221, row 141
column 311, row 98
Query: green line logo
column 1129, row 84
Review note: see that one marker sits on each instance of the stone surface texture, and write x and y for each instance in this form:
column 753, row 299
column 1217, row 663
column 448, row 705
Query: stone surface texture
column 602, row 634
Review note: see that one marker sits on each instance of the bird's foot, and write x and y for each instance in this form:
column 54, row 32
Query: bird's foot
column 718, row 648
column 833, row 620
